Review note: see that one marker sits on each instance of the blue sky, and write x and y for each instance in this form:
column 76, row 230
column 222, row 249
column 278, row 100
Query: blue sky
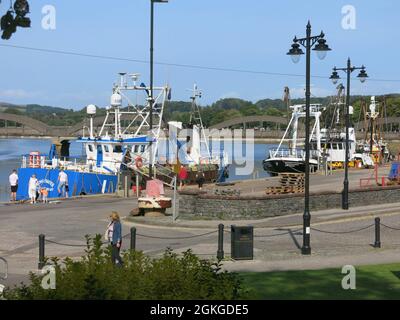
column 251, row 35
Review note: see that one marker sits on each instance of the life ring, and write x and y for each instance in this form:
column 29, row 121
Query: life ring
column 138, row 162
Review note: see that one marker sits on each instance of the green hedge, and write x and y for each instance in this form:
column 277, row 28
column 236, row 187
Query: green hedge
column 93, row 276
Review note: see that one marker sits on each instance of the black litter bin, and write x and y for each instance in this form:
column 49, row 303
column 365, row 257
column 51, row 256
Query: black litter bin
column 242, row 243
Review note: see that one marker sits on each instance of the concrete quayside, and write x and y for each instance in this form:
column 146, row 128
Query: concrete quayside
column 277, row 237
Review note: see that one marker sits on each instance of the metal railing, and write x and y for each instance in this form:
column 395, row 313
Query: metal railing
column 286, row 153
column 277, row 232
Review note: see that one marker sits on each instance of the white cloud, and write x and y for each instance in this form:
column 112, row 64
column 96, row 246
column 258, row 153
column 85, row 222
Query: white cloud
column 18, row 94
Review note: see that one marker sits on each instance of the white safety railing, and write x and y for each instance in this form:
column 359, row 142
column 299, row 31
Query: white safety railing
column 286, row 153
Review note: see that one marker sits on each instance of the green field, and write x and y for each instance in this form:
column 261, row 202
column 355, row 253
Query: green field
column 372, row 282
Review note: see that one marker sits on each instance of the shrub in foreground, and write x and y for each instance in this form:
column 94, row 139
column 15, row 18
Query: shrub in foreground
column 170, row 277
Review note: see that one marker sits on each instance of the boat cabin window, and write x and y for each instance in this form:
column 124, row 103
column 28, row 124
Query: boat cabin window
column 90, row 147
column 142, row 148
column 136, row 149
column 106, row 148
column 117, row 149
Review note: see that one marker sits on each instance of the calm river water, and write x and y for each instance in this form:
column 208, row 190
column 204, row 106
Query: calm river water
column 11, row 151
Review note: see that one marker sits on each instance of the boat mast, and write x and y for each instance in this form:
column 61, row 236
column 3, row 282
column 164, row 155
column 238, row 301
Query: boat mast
column 295, row 118
column 195, row 117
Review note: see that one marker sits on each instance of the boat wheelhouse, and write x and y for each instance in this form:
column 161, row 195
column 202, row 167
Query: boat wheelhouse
column 292, row 157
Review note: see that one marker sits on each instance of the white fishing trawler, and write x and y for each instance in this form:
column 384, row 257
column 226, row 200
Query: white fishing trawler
column 292, row 158
column 125, row 145
column 327, row 145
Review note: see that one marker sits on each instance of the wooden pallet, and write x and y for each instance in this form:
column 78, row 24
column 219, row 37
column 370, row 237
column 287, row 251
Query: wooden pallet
column 283, row 190
column 289, row 183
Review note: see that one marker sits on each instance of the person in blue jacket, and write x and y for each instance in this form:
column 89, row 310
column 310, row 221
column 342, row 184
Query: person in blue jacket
column 114, row 236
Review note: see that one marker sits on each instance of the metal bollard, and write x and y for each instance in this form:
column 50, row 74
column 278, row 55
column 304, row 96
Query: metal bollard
column 220, row 252
column 126, row 190
column 377, row 243
column 41, row 251
column 133, row 238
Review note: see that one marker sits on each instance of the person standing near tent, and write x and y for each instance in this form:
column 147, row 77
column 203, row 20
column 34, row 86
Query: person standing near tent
column 13, row 179
column 62, row 183
column 32, row 188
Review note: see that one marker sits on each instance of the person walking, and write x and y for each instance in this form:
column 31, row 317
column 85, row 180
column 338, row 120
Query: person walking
column 32, row 188
column 13, row 179
column 114, row 236
column 62, row 184
column 182, row 175
column 200, row 179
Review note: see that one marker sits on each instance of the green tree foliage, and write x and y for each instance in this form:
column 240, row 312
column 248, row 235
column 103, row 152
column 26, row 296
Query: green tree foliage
column 221, row 110
column 94, row 277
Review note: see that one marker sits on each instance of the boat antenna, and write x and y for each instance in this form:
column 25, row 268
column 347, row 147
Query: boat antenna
column 286, row 99
column 195, row 112
column 195, row 115
column 122, row 79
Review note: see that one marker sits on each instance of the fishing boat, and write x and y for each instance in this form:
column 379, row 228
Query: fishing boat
column 292, row 158
column 327, row 144
column 191, row 147
column 373, row 142
column 123, row 146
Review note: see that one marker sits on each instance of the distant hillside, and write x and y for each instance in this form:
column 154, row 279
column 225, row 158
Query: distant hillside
column 221, row 110
column 36, row 108
column 4, row 106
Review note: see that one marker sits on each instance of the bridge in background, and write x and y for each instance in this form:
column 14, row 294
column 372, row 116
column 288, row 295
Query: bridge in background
column 273, row 127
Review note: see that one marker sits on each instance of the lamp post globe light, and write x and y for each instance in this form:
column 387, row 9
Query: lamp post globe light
column 151, row 96
column 362, row 76
column 317, row 44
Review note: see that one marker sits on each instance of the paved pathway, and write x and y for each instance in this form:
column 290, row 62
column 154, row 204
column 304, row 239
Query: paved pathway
column 276, row 246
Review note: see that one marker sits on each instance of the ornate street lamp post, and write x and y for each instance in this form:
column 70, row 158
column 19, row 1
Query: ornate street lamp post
column 151, row 96
column 335, row 78
column 295, row 53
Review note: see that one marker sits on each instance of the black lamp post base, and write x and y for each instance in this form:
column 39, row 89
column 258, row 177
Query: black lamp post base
column 306, row 251
column 345, row 197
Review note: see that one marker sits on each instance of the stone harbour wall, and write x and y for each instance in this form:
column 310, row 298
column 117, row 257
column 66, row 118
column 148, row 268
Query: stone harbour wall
column 199, row 205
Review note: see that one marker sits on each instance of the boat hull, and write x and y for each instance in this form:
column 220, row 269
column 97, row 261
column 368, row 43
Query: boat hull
column 79, row 183
column 276, row 166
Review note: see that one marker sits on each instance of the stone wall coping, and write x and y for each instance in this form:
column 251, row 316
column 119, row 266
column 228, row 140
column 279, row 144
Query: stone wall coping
column 204, row 195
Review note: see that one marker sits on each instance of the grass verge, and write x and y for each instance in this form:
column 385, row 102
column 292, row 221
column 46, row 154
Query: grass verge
column 372, row 282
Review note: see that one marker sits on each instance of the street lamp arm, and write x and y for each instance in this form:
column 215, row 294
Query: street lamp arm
column 347, row 69
column 313, row 40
